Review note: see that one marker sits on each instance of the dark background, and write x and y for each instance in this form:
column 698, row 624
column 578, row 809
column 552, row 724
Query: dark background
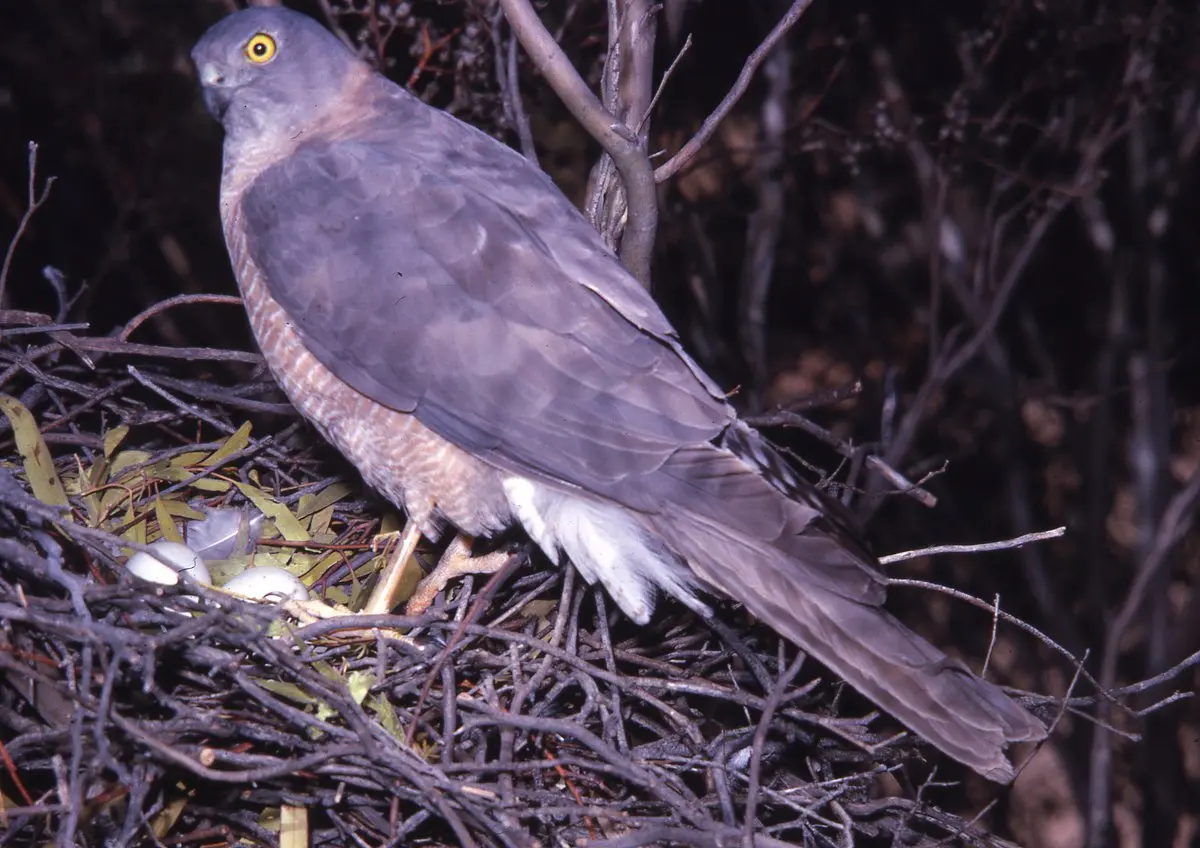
column 990, row 220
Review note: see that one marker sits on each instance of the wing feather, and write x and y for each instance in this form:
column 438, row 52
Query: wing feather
column 419, row 274
column 422, row 275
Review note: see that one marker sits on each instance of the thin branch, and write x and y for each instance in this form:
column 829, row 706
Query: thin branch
column 520, row 116
column 504, row 49
column 992, row 610
column 662, row 86
column 210, row 354
column 688, row 152
column 47, row 328
column 1004, row 545
column 760, row 740
column 1170, row 674
column 170, row 303
column 34, row 202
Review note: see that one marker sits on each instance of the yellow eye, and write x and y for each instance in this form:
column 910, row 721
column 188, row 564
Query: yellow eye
column 260, row 49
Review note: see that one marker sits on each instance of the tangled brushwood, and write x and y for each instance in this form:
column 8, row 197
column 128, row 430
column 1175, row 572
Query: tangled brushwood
column 132, row 713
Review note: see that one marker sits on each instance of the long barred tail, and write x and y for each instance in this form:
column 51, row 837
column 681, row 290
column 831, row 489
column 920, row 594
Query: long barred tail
column 802, row 572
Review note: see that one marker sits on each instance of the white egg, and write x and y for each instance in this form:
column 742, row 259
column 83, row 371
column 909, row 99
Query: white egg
column 167, row 562
column 266, row 582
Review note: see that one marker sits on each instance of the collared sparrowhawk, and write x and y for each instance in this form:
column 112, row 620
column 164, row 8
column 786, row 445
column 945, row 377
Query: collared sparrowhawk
column 443, row 314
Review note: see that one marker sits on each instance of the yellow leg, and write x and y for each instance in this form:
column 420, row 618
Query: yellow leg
column 383, row 597
column 455, row 562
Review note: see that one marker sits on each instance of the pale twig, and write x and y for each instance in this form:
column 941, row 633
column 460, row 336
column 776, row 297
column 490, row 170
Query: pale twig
column 47, row 328
column 1161, row 703
column 688, row 152
column 34, row 202
column 1173, row 671
column 662, row 86
column 97, row 344
column 991, row 641
column 57, row 281
column 1003, row 545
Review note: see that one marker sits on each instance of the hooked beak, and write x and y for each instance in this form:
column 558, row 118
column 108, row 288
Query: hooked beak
column 217, row 92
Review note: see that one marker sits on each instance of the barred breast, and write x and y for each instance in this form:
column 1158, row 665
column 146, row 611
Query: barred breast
column 431, row 479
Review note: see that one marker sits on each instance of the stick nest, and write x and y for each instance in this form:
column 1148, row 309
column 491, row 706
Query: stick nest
column 140, row 714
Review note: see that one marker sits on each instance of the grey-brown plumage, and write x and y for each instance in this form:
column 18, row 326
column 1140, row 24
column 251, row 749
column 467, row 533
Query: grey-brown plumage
column 449, row 321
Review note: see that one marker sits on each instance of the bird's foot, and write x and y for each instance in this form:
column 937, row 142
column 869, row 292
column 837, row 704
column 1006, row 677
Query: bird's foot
column 457, row 561
column 383, row 596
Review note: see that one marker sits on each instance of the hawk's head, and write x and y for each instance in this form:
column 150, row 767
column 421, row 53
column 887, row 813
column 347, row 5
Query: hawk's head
column 269, row 70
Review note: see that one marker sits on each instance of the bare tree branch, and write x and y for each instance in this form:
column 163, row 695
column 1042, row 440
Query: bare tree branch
column 626, row 90
column 1006, row 544
column 637, row 244
column 688, row 152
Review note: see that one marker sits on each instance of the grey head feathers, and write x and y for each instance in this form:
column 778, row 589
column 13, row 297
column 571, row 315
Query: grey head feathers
column 268, row 71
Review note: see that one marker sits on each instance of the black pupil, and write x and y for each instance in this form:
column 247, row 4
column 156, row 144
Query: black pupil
column 260, row 48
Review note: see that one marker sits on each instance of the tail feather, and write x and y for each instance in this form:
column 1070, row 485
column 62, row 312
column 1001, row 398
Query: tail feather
column 810, row 585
